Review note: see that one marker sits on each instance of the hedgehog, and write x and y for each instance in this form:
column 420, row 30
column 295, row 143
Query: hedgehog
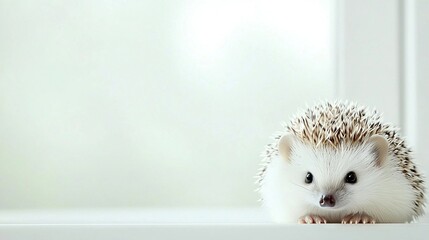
column 338, row 162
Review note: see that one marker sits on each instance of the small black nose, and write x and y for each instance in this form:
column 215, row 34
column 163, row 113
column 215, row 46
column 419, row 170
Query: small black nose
column 327, row 201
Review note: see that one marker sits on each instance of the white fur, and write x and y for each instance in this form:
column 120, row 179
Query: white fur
column 382, row 192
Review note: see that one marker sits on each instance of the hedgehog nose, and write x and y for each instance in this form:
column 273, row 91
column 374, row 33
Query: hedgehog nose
column 327, row 201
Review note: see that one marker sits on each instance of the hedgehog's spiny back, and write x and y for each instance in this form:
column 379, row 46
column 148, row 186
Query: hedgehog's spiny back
column 329, row 124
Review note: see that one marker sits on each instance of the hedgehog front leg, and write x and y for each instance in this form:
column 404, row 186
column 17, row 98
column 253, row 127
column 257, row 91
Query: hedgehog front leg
column 358, row 218
column 312, row 219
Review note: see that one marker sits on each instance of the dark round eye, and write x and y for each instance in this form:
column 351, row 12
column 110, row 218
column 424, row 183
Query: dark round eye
column 351, row 177
column 309, row 178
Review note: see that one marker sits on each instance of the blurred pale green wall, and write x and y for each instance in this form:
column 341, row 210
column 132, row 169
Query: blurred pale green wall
column 151, row 103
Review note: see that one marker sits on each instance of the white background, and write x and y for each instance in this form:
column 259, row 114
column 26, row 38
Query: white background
column 111, row 104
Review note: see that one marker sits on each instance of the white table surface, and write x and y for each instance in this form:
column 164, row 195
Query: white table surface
column 185, row 224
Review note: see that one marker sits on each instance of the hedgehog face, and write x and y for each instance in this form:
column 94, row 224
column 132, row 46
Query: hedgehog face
column 338, row 178
column 338, row 158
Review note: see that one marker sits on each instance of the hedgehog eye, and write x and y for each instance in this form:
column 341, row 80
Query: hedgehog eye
column 309, row 178
column 351, row 178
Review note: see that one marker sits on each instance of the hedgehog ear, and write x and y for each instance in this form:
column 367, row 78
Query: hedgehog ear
column 380, row 148
column 285, row 146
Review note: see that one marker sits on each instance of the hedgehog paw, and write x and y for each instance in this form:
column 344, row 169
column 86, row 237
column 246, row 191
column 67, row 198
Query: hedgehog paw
column 312, row 219
column 358, row 218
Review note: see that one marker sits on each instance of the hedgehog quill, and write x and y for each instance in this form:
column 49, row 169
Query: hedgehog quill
column 338, row 162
